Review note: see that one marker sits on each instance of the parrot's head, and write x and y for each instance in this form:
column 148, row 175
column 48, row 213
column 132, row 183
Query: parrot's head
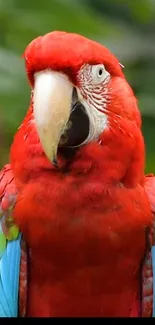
column 79, row 91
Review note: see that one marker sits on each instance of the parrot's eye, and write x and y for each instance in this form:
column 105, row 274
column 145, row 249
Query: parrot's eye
column 99, row 73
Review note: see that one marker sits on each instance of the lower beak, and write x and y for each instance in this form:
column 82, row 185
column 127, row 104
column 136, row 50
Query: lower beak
column 52, row 107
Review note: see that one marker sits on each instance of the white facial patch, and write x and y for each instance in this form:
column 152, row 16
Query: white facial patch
column 93, row 95
column 98, row 121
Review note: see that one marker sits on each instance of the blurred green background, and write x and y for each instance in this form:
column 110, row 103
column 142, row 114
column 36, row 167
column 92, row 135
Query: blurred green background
column 126, row 27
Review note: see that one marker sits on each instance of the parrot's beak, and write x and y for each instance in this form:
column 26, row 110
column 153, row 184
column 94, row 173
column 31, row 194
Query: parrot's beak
column 52, row 108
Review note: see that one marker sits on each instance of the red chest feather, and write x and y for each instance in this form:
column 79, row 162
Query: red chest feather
column 86, row 244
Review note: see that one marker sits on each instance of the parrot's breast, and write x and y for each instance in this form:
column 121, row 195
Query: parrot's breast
column 86, row 246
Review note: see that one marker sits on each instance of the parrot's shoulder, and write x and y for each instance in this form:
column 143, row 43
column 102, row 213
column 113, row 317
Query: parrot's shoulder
column 10, row 256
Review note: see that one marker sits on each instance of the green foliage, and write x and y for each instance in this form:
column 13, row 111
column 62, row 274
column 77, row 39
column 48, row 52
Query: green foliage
column 126, row 27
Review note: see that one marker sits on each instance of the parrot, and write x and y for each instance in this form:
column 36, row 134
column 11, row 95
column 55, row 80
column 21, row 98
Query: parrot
column 77, row 210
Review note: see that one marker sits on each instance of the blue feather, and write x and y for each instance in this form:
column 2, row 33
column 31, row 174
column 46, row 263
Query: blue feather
column 9, row 278
column 6, row 282
column 2, row 313
column 3, row 301
column 10, row 256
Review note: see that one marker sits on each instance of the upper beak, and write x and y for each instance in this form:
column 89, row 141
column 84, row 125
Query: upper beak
column 52, row 107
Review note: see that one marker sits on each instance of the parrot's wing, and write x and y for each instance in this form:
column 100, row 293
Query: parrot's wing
column 13, row 252
column 10, row 254
column 148, row 273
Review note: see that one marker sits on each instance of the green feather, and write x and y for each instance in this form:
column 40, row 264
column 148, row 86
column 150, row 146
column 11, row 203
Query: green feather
column 13, row 232
column 2, row 243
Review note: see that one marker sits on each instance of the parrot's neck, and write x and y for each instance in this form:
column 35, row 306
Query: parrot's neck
column 85, row 225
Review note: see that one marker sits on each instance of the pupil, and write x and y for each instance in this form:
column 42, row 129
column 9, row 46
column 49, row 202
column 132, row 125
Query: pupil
column 100, row 72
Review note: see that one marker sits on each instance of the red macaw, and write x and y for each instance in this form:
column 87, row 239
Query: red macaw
column 76, row 186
